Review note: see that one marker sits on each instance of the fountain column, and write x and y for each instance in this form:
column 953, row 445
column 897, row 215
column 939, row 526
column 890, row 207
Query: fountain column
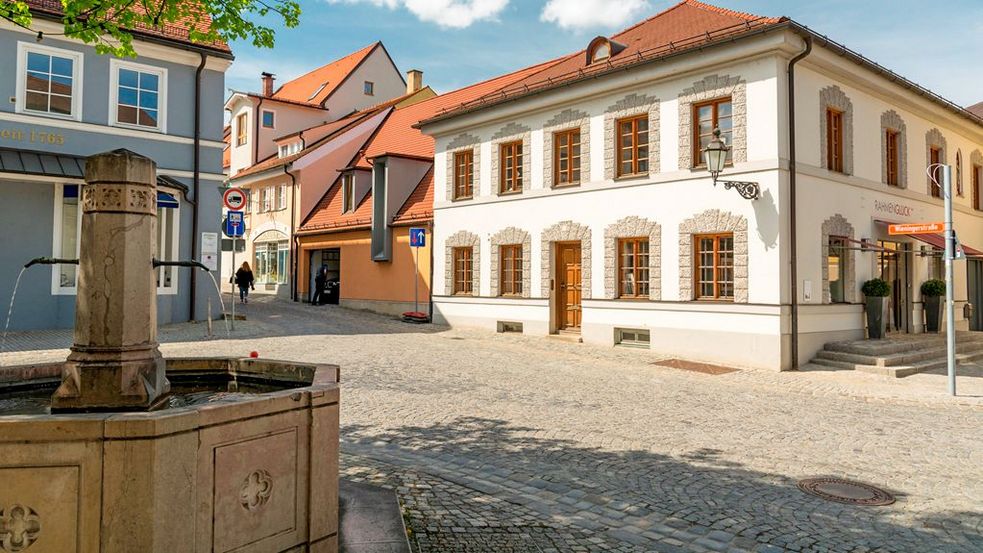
column 115, row 363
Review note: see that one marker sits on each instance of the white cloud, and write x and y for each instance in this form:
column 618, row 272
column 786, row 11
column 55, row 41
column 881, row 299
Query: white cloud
column 446, row 13
column 585, row 14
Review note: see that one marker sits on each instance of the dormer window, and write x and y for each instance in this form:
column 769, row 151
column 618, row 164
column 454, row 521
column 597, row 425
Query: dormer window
column 318, row 91
column 289, row 149
column 602, row 49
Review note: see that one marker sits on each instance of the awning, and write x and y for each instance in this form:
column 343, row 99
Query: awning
column 167, row 201
column 935, row 240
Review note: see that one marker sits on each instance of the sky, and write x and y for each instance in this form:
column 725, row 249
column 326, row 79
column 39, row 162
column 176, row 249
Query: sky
column 459, row 42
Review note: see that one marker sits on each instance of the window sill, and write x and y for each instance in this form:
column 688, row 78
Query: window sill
column 63, row 117
column 462, row 199
column 566, row 185
column 509, row 192
column 157, row 130
column 634, row 176
column 463, row 295
column 714, row 300
column 637, row 299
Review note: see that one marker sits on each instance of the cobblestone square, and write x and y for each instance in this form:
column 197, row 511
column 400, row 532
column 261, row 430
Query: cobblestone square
column 502, row 442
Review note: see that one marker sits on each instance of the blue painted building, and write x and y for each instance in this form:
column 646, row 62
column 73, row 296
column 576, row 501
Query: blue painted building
column 61, row 102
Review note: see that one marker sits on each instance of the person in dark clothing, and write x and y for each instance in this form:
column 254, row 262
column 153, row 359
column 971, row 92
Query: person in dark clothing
column 244, row 280
column 320, row 281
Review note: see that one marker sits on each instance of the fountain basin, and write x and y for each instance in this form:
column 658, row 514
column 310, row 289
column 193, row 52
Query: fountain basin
column 244, row 459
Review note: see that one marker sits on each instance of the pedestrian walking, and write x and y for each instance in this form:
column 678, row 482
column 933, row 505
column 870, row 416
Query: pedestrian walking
column 244, row 280
column 320, row 282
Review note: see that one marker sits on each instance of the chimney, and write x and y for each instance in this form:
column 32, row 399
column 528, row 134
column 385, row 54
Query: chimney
column 414, row 80
column 268, row 83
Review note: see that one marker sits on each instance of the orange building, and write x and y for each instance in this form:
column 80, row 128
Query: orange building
column 360, row 229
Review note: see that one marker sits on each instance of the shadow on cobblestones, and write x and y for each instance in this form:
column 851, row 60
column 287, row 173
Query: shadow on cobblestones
column 479, row 484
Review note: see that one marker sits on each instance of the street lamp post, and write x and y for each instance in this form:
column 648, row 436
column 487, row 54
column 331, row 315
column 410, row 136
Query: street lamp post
column 715, row 156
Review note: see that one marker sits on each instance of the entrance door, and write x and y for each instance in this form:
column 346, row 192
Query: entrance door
column 975, row 267
column 569, row 286
column 894, row 261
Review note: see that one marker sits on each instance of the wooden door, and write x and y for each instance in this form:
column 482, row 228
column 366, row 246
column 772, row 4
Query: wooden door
column 569, row 286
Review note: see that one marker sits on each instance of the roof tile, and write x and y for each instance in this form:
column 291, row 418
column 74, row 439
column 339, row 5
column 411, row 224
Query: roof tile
column 316, row 86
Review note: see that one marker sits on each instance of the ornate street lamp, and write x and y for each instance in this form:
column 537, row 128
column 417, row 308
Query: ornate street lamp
column 715, row 156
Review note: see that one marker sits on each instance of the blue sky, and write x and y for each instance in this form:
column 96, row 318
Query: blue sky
column 458, row 42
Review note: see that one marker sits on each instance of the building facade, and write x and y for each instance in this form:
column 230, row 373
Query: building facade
column 577, row 200
column 67, row 102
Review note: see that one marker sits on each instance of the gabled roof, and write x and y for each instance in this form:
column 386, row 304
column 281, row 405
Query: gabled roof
column 976, row 109
column 318, row 85
column 685, row 26
column 52, row 9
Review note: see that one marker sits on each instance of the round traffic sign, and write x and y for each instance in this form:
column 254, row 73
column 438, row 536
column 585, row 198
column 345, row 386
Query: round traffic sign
column 234, row 198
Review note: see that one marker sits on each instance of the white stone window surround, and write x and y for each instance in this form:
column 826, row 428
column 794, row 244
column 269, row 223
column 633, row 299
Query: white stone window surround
column 565, row 231
column 713, row 221
column 566, row 120
column 890, row 120
column 632, row 227
column 513, row 132
column 833, row 97
column 713, row 87
column 464, row 141
column 631, row 105
column 837, row 225
column 23, row 49
column 462, row 239
column 510, row 236
column 114, row 66
column 934, row 139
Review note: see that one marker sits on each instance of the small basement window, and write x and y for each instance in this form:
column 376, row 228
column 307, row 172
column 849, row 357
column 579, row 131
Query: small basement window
column 632, row 337
column 509, row 326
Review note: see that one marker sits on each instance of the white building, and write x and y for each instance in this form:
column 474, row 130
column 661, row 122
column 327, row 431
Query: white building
column 540, row 227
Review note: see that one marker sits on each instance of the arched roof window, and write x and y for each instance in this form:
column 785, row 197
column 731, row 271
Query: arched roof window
column 602, row 49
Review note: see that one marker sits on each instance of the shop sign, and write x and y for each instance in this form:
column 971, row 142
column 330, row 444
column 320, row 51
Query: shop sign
column 916, row 228
column 894, row 208
column 32, row 137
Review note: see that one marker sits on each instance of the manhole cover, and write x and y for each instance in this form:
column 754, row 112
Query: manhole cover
column 846, row 491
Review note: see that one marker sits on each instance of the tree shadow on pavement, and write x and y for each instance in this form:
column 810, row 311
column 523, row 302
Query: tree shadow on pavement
column 641, row 497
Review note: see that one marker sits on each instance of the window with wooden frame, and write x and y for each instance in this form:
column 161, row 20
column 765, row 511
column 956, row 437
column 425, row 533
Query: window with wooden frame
column 834, row 140
column 510, row 260
column 463, row 174
column 510, row 167
column 347, row 193
column 463, row 270
column 891, row 158
column 633, row 146
column 714, row 266
column 959, row 174
column 707, row 116
column 566, row 157
column 241, row 129
column 934, row 159
column 633, row 268
column 978, row 187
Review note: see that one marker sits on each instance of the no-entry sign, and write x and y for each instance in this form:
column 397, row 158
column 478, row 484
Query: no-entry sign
column 234, row 198
column 916, row 228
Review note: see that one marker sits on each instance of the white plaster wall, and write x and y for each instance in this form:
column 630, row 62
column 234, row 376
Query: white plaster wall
column 350, row 96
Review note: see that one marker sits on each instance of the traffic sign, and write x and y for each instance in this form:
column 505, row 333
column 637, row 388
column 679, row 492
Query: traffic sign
column 418, row 237
column 916, row 228
column 234, row 198
column 234, row 226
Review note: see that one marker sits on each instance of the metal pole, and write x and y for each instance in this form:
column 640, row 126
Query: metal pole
column 416, row 279
column 232, row 324
column 950, row 307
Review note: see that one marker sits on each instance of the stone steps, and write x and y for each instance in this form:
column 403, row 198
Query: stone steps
column 899, row 357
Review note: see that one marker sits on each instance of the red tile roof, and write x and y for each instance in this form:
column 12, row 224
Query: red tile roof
column 976, row 109
column 328, row 216
column 685, row 26
column 317, row 86
column 173, row 32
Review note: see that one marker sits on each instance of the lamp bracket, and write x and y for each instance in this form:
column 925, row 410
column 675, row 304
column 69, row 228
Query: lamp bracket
column 747, row 190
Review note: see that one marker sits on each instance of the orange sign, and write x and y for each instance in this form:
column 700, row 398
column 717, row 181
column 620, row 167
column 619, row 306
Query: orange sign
column 916, row 228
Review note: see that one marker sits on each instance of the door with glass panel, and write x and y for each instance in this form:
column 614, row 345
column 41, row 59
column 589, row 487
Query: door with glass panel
column 894, row 263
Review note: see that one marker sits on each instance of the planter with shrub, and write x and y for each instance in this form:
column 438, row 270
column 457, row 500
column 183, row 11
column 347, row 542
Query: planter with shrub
column 876, row 292
column 932, row 292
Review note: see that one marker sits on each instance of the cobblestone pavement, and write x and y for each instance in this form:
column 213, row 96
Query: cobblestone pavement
column 498, row 443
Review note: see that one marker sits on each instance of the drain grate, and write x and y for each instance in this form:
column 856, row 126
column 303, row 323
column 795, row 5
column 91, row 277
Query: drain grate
column 846, row 491
column 693, row 366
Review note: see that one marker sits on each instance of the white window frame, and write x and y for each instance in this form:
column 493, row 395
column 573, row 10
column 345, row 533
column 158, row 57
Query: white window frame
column 347, row 193
column 56, row 288
column 175, row 245
column 263, row 114
column 114, row 66
column 281, row 197
column 20, row 106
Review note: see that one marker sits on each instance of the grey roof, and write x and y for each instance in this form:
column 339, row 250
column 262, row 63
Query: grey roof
column 63, row 166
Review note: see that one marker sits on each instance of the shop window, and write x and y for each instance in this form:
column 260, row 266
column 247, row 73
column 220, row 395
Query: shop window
column 633, row 268
column 139, row 95
column 271, row 261
column 715, row 266
column 632, row 146
column 68, row 222
column 936, row 263
column 347, row 193
column 168, row 220
column 510, row 257
column 463, row 271
column 510, row 177
column 566, row 157
column 463, row 174
column 837, row 268
column 716, row 114
column 49, row 80
column 632, row 337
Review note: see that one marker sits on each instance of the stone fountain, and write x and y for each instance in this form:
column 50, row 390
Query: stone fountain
column 119, row 450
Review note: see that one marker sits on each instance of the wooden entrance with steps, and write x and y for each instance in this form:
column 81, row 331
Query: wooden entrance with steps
column 900, row 355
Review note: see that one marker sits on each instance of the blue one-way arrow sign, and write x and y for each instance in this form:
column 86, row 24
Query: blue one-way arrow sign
column 418, row 237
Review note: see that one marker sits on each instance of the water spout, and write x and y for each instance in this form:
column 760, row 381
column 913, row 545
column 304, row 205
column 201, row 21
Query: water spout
column 50, row 261
column 203, row 267
column 13, row 295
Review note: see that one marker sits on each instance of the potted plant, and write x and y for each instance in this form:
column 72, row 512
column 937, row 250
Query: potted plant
column 875, row 293
column 932, row 292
